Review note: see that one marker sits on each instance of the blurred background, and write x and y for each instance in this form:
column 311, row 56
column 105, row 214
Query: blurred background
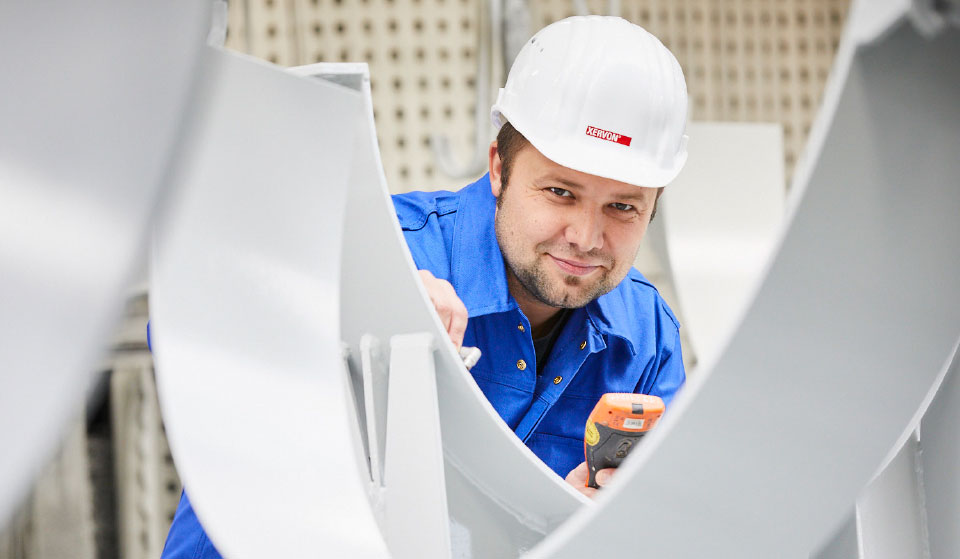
column 435, row 67
column 744, row 61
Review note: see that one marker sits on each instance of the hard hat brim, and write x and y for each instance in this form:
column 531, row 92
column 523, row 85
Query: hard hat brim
column 588, row 155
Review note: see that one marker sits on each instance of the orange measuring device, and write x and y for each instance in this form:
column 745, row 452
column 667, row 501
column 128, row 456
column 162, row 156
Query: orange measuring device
column 615, row 425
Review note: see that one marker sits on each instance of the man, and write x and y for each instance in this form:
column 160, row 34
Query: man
column 532, row 263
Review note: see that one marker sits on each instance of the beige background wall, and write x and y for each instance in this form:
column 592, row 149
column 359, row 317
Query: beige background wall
column 744, row 60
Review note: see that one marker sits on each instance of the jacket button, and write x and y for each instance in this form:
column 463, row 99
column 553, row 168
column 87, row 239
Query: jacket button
column 521, row 364
column 583, row 344
column 557, row 380
column 521, row 328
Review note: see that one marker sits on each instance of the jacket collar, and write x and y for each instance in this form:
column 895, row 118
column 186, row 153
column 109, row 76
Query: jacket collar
column 479, row 275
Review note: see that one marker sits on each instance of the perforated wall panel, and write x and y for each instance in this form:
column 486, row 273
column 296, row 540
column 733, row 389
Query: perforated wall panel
column 423, row 65
column 147, row 486
column 745, row 60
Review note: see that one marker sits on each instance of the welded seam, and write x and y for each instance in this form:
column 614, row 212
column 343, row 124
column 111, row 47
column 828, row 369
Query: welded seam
column 921, row 497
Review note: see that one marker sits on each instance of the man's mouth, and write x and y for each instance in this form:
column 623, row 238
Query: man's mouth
column 573, row 267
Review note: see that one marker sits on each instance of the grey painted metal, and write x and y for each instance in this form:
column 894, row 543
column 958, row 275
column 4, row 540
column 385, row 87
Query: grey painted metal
column 502, row 498
column 357, row 414
column 373, row 361
column 763, row 454
column 218, row 23
column 892, row 512
column 932, row 16
column 940, row 464
column 358, row 435
column 416, row 520
column 90, row 109
column 843, row 544
column 246, row 319
column 890, row 516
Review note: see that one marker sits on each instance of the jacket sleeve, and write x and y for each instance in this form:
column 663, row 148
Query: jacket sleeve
column 427, row 227
column 187, row 539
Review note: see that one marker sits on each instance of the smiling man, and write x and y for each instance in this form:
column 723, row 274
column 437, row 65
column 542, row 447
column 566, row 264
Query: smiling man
column 533, row 262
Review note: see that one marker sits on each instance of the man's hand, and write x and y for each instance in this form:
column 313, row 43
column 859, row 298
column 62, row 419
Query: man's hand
column 453, row 313
column 578, row 479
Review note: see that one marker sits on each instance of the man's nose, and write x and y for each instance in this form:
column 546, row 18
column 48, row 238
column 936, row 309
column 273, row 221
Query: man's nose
column 585, row 231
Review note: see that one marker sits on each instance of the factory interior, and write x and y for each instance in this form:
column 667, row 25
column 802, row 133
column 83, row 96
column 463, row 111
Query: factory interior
column 203, row 284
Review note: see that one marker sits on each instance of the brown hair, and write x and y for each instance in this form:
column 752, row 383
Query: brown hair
column 509, row 143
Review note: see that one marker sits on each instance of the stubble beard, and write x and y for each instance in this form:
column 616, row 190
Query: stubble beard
column 536, row 282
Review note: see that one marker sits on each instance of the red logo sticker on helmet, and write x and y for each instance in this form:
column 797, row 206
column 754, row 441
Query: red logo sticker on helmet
column 608, row 135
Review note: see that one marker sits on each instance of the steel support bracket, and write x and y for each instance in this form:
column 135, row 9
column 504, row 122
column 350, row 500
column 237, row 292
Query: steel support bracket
column 417, row 520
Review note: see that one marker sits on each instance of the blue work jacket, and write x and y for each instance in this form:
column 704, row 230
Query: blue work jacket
column 624, row 341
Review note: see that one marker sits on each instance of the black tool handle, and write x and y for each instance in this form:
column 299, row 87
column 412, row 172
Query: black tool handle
column 611, row 448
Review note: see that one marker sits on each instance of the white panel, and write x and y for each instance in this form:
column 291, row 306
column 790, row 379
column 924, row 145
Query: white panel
column 722, row 215
column 501, row 496
column 417, row 525
column 246, row 319
column 91, row 102
column 940, row 462
column 765, row 452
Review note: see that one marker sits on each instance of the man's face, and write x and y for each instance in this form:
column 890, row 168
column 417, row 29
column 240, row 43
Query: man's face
column 567, row 237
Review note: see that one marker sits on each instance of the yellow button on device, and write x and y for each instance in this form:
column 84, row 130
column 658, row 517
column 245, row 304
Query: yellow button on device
column 557, row 380
column 521, row 364
column 583, row 344
column 591, row 435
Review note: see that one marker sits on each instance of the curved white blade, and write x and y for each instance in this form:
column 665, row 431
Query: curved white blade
column 91, row 106
column 843, row 340
column 246, row 319
column 502, row 499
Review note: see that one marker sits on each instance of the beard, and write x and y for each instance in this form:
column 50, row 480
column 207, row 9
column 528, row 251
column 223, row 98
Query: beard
column 568, row 292
column 572, row 294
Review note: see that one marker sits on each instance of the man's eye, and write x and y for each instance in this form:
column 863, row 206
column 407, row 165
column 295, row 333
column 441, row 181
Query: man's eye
column 560, row 191
column 622, row 207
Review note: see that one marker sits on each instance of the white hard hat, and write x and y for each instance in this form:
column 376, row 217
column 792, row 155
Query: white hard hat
column 600, row 95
